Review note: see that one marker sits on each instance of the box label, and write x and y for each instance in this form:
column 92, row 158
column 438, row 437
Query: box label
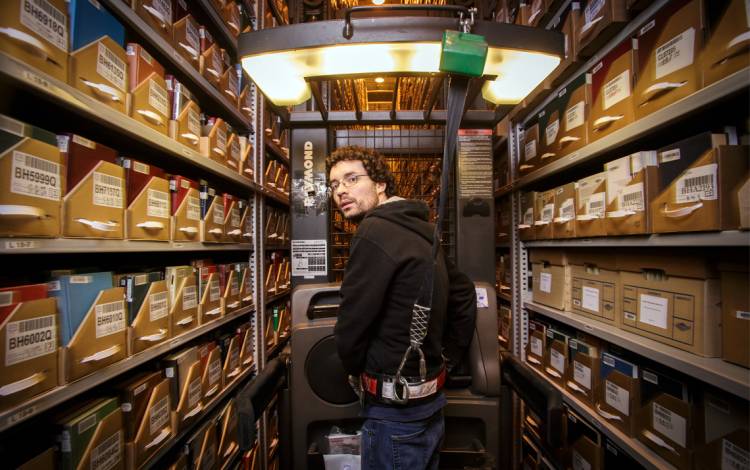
column 617, row 397
column 697, row 184
column 6, row 298
column 111, row 67
column 568, row 209
column 545, row 282
column 87, row 423
column 221, row 138
column 219, row 214
column 140, row 167
column 670, row 424
column 44, row 19
column 579, row 463
column 668, row 156
column 194, row 393
column 234, row 217
column 548, row 212
column 194, row 122
column 575, row 116
column 107, row 454
column 158, row 306
column 591, row 298
column 631, row 198
column 107, row 190
column 164, row 8
column 110, row 318
column 595, row 204
column 191, row 35
column 157, row 98
column 193, row 208
column 528, row 216
column 535, row 346
column 158, row 204
column 675, row 54
column 159, row 416
column 234, row 287
column 214, row 372
column 557, row 360
column 733, row 457
column 35, row 177
column 653, row 310
column 616, row 90
column 216, row 62
column 582, row 375
column 551, row 131
column 592, row 10
column 189, row 298
column 529, row 150
column 29, row 339
column 214, row 291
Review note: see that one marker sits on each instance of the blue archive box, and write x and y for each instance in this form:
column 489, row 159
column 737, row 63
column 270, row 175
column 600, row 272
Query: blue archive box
column 75, row 294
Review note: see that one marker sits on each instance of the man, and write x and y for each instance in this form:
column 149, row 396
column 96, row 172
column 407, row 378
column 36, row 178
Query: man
column 389, row 255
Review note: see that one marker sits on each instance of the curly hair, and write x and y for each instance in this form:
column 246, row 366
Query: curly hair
column 374, row 164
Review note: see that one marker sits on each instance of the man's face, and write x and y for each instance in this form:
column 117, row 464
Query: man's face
column 359, row 198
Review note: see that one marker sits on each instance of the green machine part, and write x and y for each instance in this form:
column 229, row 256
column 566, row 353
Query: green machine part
column 463, row 53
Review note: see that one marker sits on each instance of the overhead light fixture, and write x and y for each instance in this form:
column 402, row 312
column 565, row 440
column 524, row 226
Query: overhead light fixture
column 282, row 60
column 379, row 79
column 378, row 2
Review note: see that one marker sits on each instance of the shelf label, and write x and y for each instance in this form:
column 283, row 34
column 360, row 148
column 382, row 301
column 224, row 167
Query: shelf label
column 107, row 454
column 44, row 19
column 545, row 282
column 20, row 244
column 653, row 310
column 733, row 457
column 29, row 339
column 107, row 190
column 617, row 397
column 22, row 415
column 582, row 375
column 535, row 346
column 669, row 424
column 158, row 306
column 675, row 54
column 616, row 90
column 157, row 204
column 309, row 258
column 557, row 360
column 697, row 184
column 35, row 177
column 591, row 299
column 575, row 116
column 110, row 318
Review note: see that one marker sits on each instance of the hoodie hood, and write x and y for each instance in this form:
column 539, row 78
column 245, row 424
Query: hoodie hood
column 409, row 213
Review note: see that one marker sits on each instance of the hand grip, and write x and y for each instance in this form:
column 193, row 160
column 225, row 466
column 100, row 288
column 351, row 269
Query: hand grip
column 101, row 355
column 23, row 384
column 681, row 212
column 151, row 224
column 103, row 90
column 19, row 211
column 97, row 225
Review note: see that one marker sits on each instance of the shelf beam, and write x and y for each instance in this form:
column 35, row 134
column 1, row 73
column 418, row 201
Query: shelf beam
column 19, row 246
column 695, row 239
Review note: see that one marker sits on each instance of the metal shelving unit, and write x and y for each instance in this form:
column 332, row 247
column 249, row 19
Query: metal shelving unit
column 696, row 239
column 276, row 151
column 276, row 297
column 729, row 377
column 16, row 246
column 60, row 394
column 208, row 96
column 634, row 447
column 225, row 36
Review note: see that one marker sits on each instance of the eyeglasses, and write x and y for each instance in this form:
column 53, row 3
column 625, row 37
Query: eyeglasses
column 347, row 182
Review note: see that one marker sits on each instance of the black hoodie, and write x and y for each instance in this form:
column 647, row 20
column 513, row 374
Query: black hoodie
column 388, row 257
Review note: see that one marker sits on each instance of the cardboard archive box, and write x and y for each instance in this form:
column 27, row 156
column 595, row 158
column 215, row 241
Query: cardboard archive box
column 573, row 105
column 228, row 431
column 246, row 221
column 29, row 331
column 203, row 447
column 230, row 298
column 530, row 156
column 725, row 51
column 185, row 115
column 229, row 85
column 549, row 128
column 186, row 386
column 183, row 301
column 212, row 215
column 186, row 39
column 247, row 345
column 556, row 364
column 98, row 63
column 212, row 380
column 232, row 219
column 230, row 352
column 584, row 443
column 209, row 307
column 615, row 457
column 147, row 213
column 536, row 347
column 246, row 286
column 699, row 182
column 32, row 172
column 526, row 229
column 735, row 316
column 212, row 64
column 157, row 14
column 602, row 19
column 666, row 55
column 247, row 160
column 213, row 143
column 595, row 285
column 93, row 206
column 504, row 327
column 571, row 20
column 631, row 183
column 591, row 206
column 672, row 298
column 611, row 91
column 564, row 222
column 151, row 324
column 550, row 278
column 92, row 437
column 246, row 100
column 154, row 426
column 544, row 210
column 723, row 442
column 135, row 393
column 149, row 100
column 186, row 209
column 618, row 397
column 234, row 152
column 231, row 16
column 503, row 217
column 583, row 373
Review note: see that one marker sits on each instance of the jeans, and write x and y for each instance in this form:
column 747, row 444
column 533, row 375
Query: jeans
column 411, row 445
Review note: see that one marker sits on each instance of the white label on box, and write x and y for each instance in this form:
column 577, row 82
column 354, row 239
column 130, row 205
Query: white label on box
column 194, row 122
column 742, row 315
column 157, row 98
column 107, row 190
column 568, row 209
column 214, row 372
column 111, row 67
column 592, row 10
column 44, row 19
column 234, row 288
column 733, row 457
column 675, row 54
column 29, row 339
column 535, row 346
column 189, row 298
column 141, row 168
column 697, row 184
column 653, row 310
column 214, row 291
column 107, row 454
column 545, row 282
column 35, row 177
column 193, row 208
column 557, row 360
column 110, row 318
column 670, row 424
column 582, row 375
column 158, row 305
column 221, row 138
column 631, row 198
column 617, row 397
column 574, row 116
column 86, row 423
column 165, row 8
column 6, row 298
column 194, row 392
column 159, row 416
column 591, row 299
column 551, row 131
column 579, row 463
column 650, row 377
column 529, row 150
column 234, row 217
column 80, row 279
column 616, row 90
column 595, row 204
column 191, row 34
column 548, row 212
column 528, row 216
column 668, row 156
column 158, row 204
column 219, row 214
column 83, row 141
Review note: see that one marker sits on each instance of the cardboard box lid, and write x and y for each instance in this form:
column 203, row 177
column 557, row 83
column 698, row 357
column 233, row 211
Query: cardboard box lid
column 89, row 21
column 81, row 155
column 141, row 65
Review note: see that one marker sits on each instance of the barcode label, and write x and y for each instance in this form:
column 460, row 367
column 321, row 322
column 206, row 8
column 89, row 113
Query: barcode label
column 159, row 416
column 309, row 258
column 194, row 122
column 110, row 318
column 158, row 306
column 595, row 204
column 164, row 7
column 107, row 190
column 734, row 457
column 107, row 454
column 218, row 214
column 29, row 339
column 548, row 211
column 214, row 291
column 234, row 152
column 111, row 67
column 216, row 61
column 189, row 298
column 214, row 372
column 35, row 177
column 193, row 208
column 157, row 98
column 221, row 138
column 697, row 184
column 191, row 34
column 158, row 204
column 592, row 9
column 44, row 19
column 235, row 219
column 568, row 209
column 631, row 198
